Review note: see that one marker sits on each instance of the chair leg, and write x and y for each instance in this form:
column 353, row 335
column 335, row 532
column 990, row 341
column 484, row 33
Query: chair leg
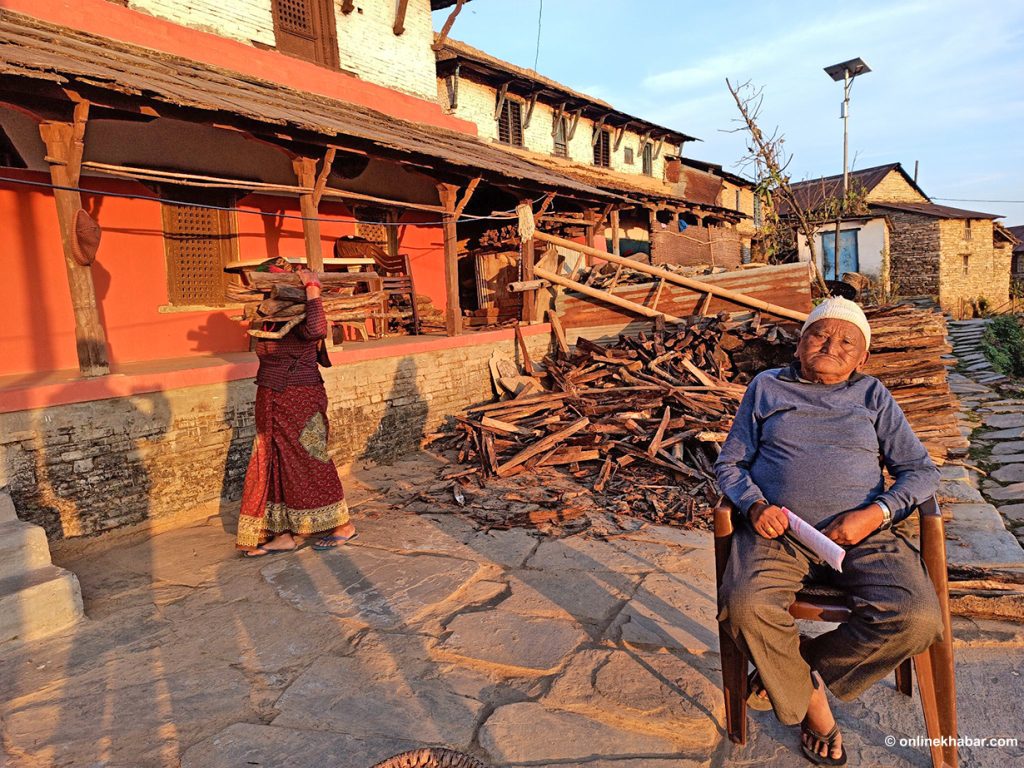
column 929, row 704
column 941, row 655
column 734, row 686
column 904, row 681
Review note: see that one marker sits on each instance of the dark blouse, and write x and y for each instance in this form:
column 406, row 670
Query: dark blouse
column 291, row 361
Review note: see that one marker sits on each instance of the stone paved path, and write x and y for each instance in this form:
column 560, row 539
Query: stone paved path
column 992, row 415
column 523, row 650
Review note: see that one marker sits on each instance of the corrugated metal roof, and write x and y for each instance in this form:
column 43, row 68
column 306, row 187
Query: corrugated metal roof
column 936, row 211
column 40, row 51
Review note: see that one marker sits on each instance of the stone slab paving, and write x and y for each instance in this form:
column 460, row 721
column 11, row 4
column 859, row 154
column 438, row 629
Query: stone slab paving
column 519, row 649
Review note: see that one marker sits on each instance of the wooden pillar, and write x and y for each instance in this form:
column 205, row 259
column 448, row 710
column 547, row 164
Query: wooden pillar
column 529, row 297
column 305, row 172
column 616, row 248
column 65, row 143
column 453, row 308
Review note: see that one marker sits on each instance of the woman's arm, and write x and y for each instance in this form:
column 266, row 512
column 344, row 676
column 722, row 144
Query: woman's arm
column 315, row 325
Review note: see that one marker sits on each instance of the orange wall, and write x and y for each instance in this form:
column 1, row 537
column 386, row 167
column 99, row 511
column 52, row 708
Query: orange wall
column 130, row 275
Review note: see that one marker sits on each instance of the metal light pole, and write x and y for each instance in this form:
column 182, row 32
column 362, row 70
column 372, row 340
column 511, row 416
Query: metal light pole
column 845, row 71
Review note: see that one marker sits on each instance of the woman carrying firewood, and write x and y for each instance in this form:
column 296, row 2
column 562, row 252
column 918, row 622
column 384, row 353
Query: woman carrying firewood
column 292, row 490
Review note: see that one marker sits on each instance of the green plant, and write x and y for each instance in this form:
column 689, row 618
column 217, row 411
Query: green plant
column 1003, row 345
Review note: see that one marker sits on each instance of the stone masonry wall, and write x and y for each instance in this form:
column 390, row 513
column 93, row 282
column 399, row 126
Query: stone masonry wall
column 367, row 45
column 84, row 468
column 895, row 189
column 914, row 254
column 987, row 271
column 476, row 104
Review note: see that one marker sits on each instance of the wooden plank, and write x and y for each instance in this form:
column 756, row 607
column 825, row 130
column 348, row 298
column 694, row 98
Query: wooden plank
column 528, row 273
column 527, row 362
column 453, row 307
column 64, row 147
column 321, row 179
column 541, row 445
column 470, row 189
column 500, row 100
column 616, row 235
column 655, row 446
column 556, row 328
column 443, row 34
column 305, row 172
column 605, row 296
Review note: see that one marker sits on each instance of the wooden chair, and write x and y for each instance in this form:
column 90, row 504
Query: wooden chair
column 396, row 280
column 934, row 667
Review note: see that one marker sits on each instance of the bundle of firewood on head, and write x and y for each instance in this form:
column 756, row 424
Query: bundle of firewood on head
column 279, row 298
column 639, row 423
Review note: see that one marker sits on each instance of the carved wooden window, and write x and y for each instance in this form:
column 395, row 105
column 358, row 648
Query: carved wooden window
column 647, row 157
column 602, row 149
column 198, row 242
column 306, row 29
column 510, row 123
column 560, row 132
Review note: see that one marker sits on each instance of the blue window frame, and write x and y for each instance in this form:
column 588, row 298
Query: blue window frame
column 849, row 258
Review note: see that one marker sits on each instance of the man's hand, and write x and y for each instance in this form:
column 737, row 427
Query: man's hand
column 854, row 526
column 768, row 520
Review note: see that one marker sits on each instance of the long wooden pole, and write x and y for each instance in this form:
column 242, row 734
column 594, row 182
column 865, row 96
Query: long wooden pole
column 305, row 171
column 671, row 277
column 64, row 147
column 604, row 296
column 453, row 308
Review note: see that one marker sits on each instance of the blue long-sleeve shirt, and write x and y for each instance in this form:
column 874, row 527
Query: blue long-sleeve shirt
column 818, row 449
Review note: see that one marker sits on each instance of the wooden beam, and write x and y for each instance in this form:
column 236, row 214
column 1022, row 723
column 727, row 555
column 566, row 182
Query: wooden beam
column 658, row 148
column 452, row 84
column 443, row 34
column 572, row 126
column 347, row 6
column 502, row 93
column 321, row 179
column 466, row 196
column 616, row 247
column 559, row 332
column 559, row 113
column 65, row 143
column 672, row 277
column 620, row 133
column 453, row 308
column 598, row 127
column 524, row 352
column 529, row 110
column 604, row 296
column 305, row 173
column 645, row 140
column 544, row 205
column 401, row 6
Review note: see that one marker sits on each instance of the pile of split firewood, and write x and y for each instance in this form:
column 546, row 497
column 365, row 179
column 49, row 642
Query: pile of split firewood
column 634, row 428
column 280, row 299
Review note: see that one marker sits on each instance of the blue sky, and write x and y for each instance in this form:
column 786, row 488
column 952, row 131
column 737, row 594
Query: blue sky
column 947, row 86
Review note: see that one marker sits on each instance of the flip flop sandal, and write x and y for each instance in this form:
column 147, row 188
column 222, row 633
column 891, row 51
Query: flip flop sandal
column 755, row 687
column 828, row 739
column 263, row 551
column 322, row 546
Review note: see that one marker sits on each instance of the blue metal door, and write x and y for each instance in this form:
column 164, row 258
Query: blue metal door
column 849, row 259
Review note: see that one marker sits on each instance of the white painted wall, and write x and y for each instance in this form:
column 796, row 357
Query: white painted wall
column 476, row 104
column 872, row 241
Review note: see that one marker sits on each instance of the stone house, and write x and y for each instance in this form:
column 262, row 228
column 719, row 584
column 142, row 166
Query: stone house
column 1017, row 262
column 904, row 241
column 689, row 212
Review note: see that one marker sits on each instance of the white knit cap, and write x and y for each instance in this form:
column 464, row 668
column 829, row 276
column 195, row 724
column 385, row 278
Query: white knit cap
column 838, row 308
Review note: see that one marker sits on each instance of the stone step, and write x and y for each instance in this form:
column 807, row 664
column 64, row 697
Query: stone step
column 23, row 548
column 39, row 603
column 7, row 512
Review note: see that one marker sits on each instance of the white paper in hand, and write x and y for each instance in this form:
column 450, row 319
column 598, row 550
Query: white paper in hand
column 816, row 541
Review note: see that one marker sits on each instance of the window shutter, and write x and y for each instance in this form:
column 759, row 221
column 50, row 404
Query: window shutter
column 510, row 123
column 198, row 242
column 602, row 150
column 305, row 29
column 648, row 160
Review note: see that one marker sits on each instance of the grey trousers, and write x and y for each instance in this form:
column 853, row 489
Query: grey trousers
column 895, row 614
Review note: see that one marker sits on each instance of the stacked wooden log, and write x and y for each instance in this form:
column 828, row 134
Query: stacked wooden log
column 280, row 299
column 640, row 422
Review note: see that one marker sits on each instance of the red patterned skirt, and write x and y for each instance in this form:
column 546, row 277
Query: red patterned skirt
column 291, row 483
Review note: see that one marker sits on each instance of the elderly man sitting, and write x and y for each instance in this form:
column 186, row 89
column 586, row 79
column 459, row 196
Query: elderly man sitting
column 813, row 438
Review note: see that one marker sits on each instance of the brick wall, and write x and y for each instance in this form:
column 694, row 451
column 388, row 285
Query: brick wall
column 895, row 189
column 987, row 272
column 84, row 468
column 476, row 104
column 367, row 45
column 914, row 254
